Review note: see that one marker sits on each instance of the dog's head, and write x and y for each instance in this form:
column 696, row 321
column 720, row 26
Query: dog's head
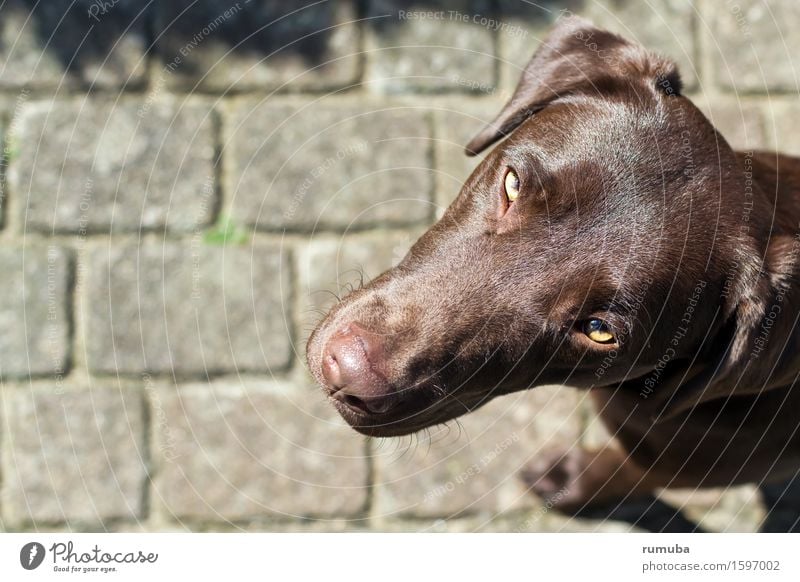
column 599, row 242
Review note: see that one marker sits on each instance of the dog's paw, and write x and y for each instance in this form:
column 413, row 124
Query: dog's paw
column 573, row 479
column 556, row 477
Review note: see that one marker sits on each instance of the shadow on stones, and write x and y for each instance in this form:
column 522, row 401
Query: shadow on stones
column 85, row 33
column 69, row 31
column 646, row 513
column 781, row 501
column 267, row 28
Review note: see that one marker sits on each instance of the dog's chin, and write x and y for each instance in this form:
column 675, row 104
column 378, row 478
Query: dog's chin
column 391, row 425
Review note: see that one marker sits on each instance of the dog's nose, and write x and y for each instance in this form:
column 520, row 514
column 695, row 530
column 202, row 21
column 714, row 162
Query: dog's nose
column 349, row 365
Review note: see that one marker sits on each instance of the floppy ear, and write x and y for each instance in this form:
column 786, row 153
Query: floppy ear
column 576, row 57
column 758, row 346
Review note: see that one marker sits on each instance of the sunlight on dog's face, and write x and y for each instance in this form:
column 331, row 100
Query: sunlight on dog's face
column 552, row 266
column 563, row 253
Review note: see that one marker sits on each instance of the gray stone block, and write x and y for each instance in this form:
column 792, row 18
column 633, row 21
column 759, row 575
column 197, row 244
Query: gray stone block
column 258, row 449
column 269, row 44
column 10, row 114
column 73, row 456
column 527, row 23
column 754, row 45
column 5, row 155
column 34, row 311
column 556, row 523
column 320, row 166
column 740, row 122
column 456, row 124
column 783, row 119
column 433, row 46
column 474, row 468
column 129, row 166
column 188, row 309
column 62, row 43
column 663, row 26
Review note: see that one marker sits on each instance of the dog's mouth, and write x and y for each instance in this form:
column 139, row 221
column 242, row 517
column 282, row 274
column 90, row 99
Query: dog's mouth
column 375, row 425
column 408, row 417
column 344, row 365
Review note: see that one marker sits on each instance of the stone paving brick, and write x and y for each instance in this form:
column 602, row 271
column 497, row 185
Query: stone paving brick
column 62, row 43
column 456, row 124
column 323, row 166
column 557, row 523
column 782, row 122
column 34, row 311
column 740, row 122
column 754, row 45
column 447, row 475
column 73, row 455
column 271, row 44
column 433, row 46
column 91, row 166
column 5, row 155
column 241, row 451
column 527, row 23
column 11, row 109
column 483, row 522
column 188, row 309
column 663, row 26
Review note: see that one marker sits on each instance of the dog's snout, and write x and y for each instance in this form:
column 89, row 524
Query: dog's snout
column 350, row 364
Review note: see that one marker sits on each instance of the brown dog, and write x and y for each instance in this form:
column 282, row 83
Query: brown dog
column 614, row 242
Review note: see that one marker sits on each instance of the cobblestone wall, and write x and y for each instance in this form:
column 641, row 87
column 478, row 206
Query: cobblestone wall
column 182, row 180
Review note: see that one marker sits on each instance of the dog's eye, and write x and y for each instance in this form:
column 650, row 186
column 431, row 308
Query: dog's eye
column 512, row 185
column 598, row 331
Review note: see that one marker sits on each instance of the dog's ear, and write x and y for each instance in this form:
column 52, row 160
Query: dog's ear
column 576, row 57
column 757, row 340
